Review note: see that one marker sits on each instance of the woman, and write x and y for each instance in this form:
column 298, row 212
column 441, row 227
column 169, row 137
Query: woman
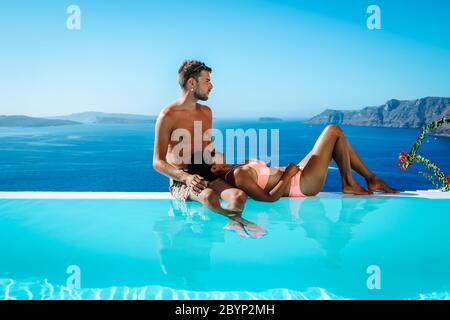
column 307, row 178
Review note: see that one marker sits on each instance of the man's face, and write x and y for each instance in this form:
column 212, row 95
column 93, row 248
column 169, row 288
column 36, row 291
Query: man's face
column 203, row 87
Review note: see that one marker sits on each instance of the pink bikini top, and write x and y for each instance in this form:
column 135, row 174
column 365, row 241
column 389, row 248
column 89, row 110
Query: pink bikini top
column 262, row 171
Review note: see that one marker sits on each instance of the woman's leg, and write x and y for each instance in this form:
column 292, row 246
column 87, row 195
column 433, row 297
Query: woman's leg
column 356, row 161
column 234, row 197
column 342, row 157
column 209, row 198
column 373, row 182
column 329, row 145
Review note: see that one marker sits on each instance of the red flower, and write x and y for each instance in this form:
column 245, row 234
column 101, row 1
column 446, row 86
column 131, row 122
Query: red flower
column 403, row 161
column 448, row 179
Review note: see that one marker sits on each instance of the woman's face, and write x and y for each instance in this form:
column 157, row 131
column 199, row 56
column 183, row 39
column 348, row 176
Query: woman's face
column 219, row 169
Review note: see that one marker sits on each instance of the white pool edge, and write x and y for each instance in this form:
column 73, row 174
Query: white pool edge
column 426, row 194
column 84, row 195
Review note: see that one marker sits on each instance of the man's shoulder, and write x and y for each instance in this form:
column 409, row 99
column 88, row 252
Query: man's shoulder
column 206, row 109
column 173, row 111
column 169, row 111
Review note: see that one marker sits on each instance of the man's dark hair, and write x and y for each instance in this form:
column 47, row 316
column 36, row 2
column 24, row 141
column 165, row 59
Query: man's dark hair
column 191, row 69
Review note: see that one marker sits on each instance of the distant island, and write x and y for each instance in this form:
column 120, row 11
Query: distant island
column 24, row 121
column 107, row 118
column 112, row 120
column 270, row 119
column 394, row 113
column 74, row 119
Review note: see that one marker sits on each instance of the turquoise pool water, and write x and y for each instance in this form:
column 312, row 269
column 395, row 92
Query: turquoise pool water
column 316, row 248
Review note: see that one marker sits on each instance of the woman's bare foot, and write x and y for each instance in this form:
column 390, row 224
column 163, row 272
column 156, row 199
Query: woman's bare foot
column 376, row 183
column 354, row 188
column 237, row 227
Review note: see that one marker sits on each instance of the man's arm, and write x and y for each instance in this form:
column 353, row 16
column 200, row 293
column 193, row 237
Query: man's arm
column 163, row 130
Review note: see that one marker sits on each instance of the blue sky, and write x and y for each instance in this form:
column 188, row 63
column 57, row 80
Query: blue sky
column 290, row 59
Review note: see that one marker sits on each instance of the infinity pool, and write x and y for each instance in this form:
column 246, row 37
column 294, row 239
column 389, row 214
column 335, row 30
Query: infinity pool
column 324, row 247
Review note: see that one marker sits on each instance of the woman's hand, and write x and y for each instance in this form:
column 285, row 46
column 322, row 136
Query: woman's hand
column 291, row 170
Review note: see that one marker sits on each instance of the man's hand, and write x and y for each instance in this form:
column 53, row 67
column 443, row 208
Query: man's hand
column 196, row 183
column 291, row 170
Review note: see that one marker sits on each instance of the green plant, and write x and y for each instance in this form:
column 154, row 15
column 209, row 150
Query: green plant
column 406, row 159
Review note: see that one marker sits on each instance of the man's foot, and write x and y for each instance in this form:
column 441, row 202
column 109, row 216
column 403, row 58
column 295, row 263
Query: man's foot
column 255, row 231
column 237, row 227
column 376, row 183
column 354, row 188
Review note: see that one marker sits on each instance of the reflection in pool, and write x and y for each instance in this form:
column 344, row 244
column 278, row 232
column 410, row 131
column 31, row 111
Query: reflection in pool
column 317, row 248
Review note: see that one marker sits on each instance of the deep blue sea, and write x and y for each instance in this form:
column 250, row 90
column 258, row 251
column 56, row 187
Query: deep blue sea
column 119, row 157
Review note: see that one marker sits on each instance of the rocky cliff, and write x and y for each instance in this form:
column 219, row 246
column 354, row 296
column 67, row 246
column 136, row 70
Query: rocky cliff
column 394, row 113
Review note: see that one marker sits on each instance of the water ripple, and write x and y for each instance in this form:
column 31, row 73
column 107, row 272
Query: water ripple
column 44, row 290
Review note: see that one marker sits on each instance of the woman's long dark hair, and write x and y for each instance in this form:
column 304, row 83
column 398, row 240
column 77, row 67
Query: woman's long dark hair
column 202, row 169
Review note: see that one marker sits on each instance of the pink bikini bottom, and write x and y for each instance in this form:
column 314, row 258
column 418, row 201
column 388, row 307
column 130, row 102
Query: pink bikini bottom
column 295, row 191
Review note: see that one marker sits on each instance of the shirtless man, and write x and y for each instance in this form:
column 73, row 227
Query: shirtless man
column 194, row 78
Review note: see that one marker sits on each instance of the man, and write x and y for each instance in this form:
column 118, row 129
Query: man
column 172, row 154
